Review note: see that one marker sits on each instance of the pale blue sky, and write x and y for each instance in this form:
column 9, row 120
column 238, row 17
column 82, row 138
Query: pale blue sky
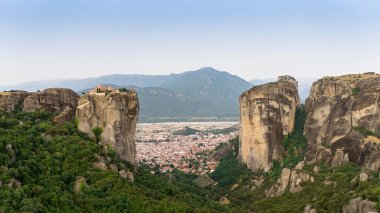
column 42, row 40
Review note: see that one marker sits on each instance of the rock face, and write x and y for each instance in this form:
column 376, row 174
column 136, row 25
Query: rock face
column 116, row 112
column 336, row 106
column 290, row 180
column 267, row 113
column 358, row 205
column 62, row 103
column 10, row 100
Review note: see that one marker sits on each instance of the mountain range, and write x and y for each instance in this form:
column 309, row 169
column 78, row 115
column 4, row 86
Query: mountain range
column 203, row 94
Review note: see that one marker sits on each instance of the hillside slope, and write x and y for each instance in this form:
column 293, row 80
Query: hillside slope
column 55, row 168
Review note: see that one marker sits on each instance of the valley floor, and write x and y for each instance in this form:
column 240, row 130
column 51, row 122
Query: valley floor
column 159, row 145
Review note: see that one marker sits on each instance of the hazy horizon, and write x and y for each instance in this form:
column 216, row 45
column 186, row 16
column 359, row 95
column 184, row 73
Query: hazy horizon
column 268, row 78
column 48, row 40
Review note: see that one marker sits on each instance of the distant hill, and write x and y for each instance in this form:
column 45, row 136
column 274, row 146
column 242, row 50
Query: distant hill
column 204, row 94
column 208, row 91
column 85, row 83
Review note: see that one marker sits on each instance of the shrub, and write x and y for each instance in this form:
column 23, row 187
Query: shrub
column 355, row 90
column 97, row 131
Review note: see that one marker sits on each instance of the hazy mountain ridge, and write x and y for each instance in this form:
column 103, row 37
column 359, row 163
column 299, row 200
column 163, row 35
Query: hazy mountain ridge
column 205, row 92
column 202, row 93
column 85, row 83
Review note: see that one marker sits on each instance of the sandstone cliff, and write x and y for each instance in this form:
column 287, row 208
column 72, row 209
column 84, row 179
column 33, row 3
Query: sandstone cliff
column 10, row 100
column 336, row 107
column 116, row 112
column 267, row 114
column 61, row 103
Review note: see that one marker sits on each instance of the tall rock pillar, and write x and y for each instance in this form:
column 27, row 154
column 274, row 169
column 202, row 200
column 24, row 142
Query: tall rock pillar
column 116, row 112
column 267, row 114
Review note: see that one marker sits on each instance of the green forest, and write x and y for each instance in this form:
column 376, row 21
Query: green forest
column 40, row 163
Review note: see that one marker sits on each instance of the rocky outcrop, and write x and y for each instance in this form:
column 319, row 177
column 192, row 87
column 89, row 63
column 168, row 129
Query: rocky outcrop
column 309, row 209
column 127, row 175
column 336, row 106
column 340, row 158
column 204, row 181
column 79, row 184
column 224, row 201
column 318, row 153
column 62, row 103
column 116, row 113
column 10, row 100
column 267, row 113
column 14, row 183
column 289, row 180
column 358, row 205
column 11, row 153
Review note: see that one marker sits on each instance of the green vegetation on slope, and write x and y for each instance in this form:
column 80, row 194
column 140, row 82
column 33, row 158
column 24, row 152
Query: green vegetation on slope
column 295, row 143
column 333, row 187
column 40, row 163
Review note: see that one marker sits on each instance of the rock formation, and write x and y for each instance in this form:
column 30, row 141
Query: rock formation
column 204, row 181
column 336, row 104
column 267, row 114
column 309, row 209
column 79, row 184
column 10, row 100
column 290, row 180
column 336, row 107
column 358, row 205
column 62, row 103
column 116, row 112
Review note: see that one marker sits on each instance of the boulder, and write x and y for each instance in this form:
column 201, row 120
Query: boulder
column 289, row 180
column 204, row 181
column 127, row 175
column 358, row 205
column 224, row 201
column 318, row 153
column 300, row 165
column 309, row 209
column 100, row 163
column 79, row 184
column 316, row 169
column 363, row 177
column 13, row 183
column 11, row 154
column 338, row 158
